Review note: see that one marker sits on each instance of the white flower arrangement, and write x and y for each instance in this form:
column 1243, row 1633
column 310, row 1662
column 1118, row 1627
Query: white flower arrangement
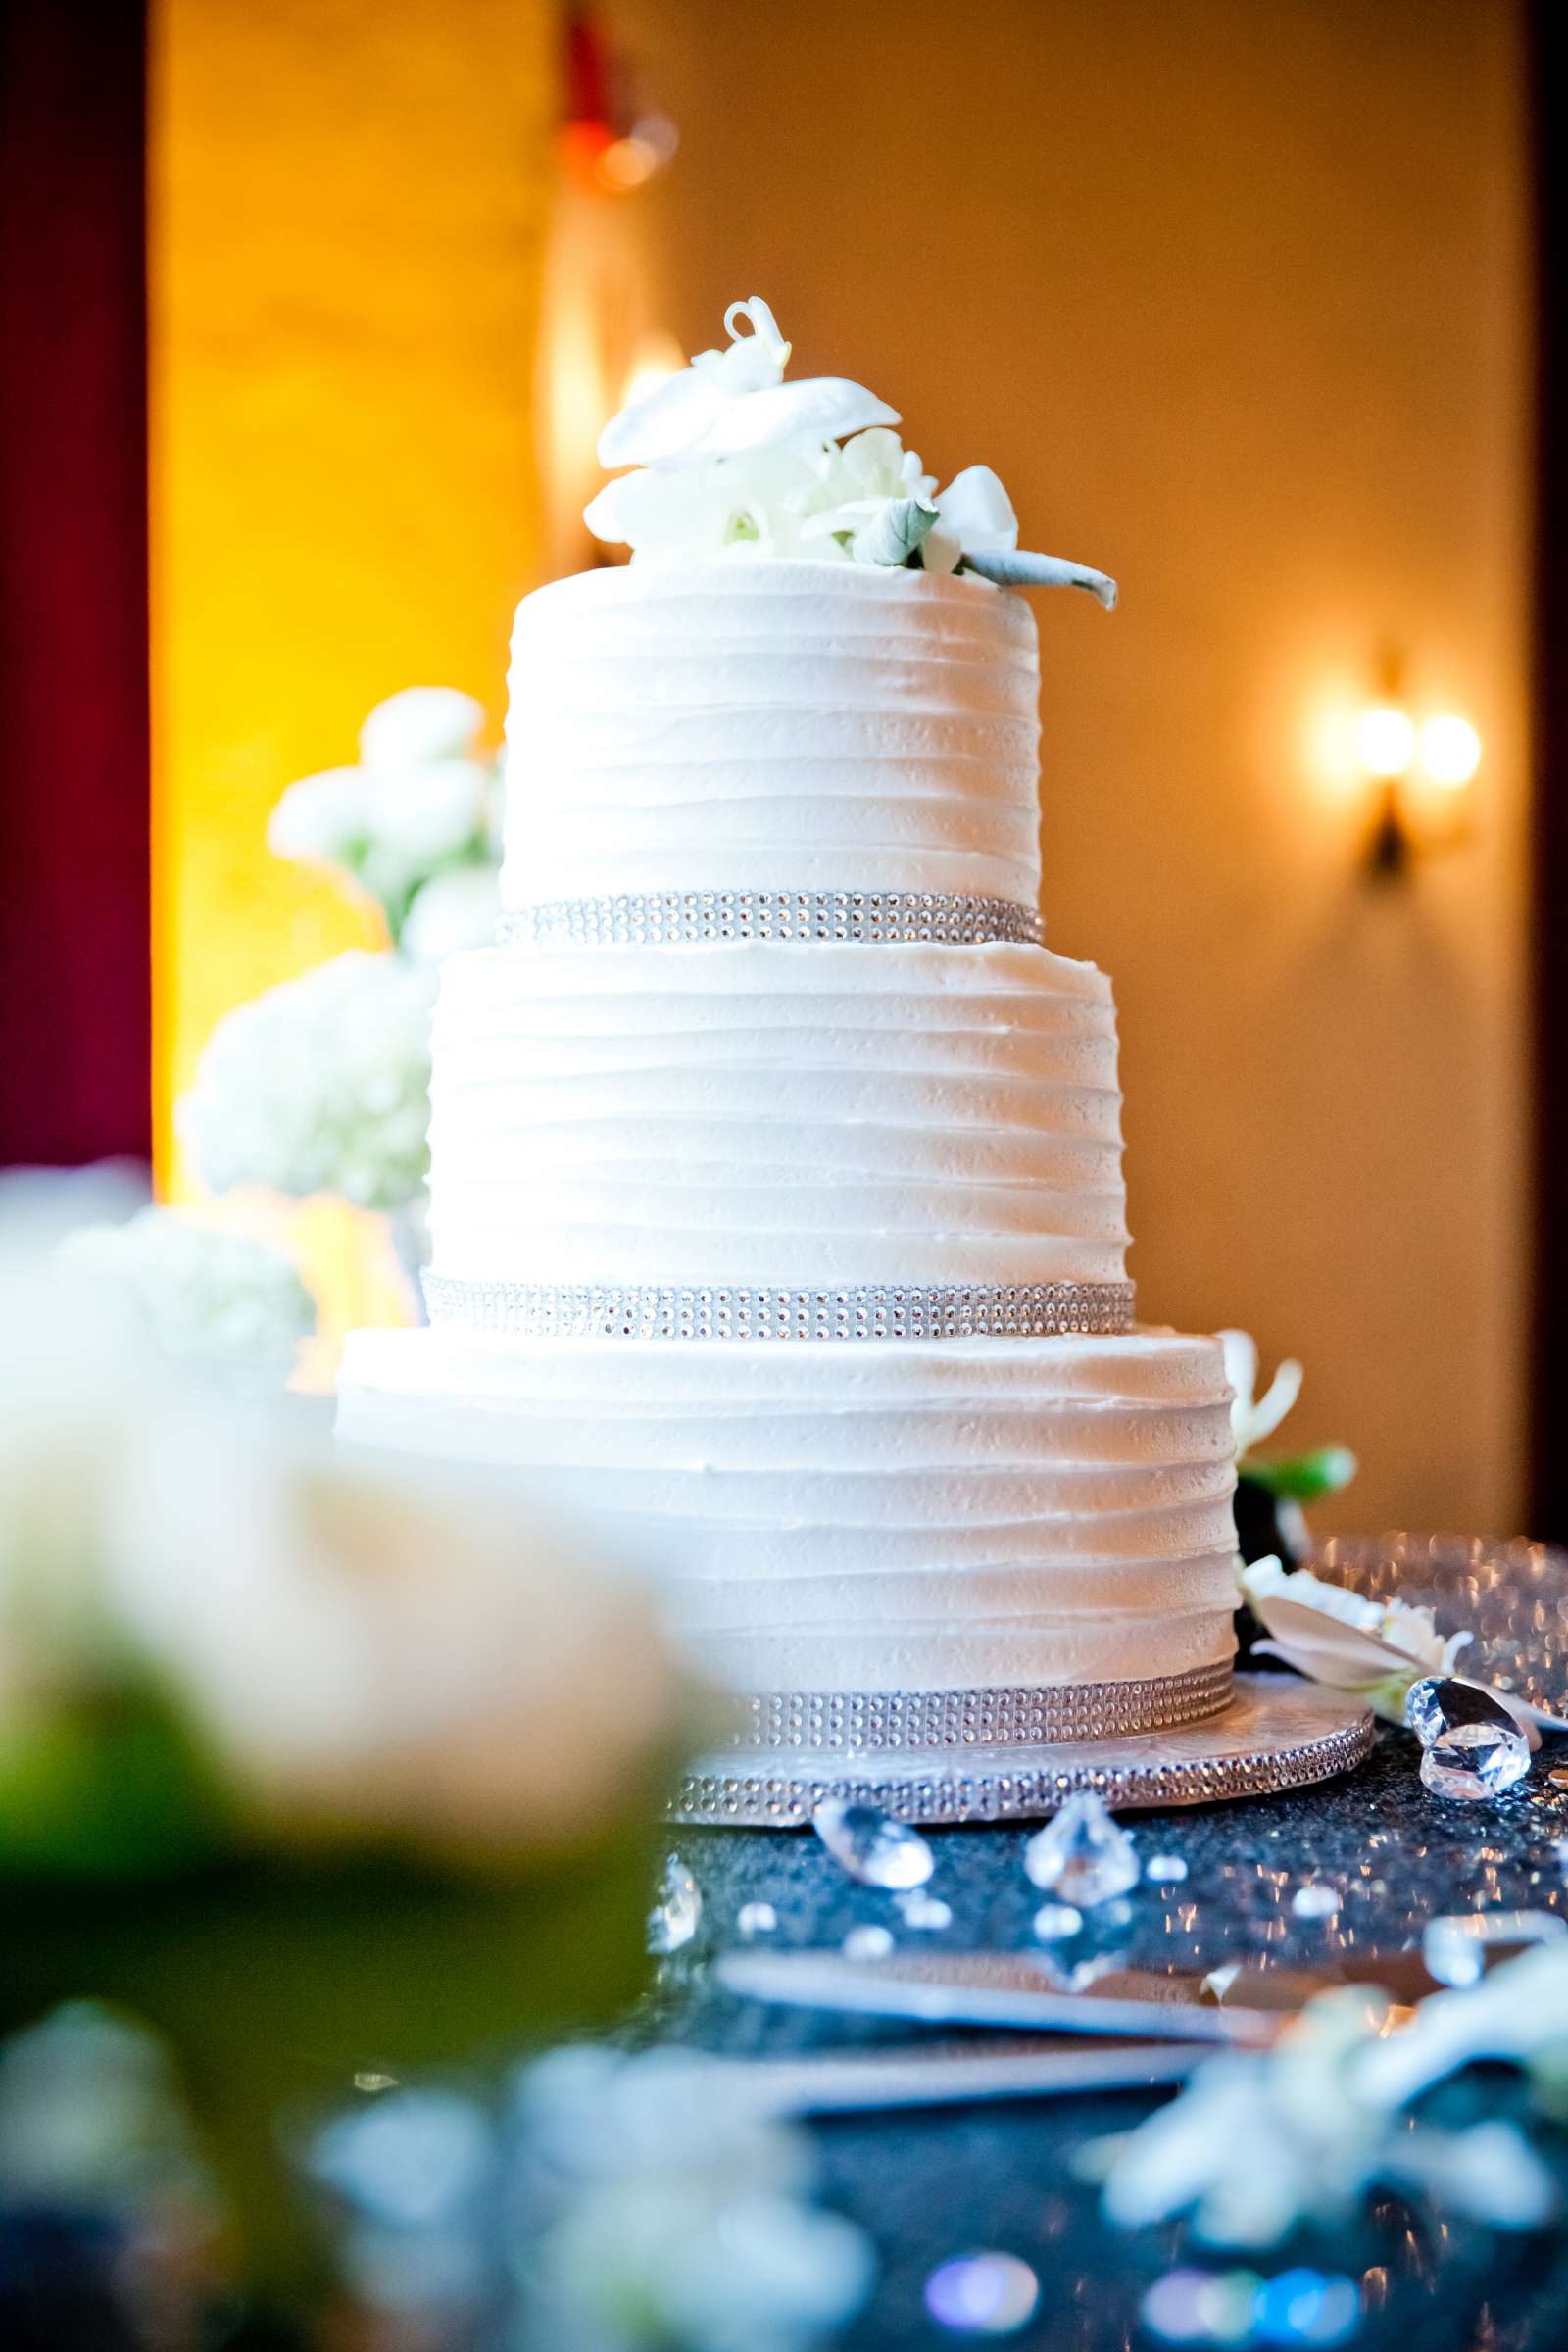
column 353, row 1652
column 420, row 805
column 1259, row 2144
column 731, row 461
column 227, row 1302
column 321, row 1085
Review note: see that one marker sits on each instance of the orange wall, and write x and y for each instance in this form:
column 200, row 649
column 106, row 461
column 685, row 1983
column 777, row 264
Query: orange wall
column 348, row 216
column 1234, row 298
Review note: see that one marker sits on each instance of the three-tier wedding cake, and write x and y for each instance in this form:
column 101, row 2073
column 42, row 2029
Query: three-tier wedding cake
column 776, row 1209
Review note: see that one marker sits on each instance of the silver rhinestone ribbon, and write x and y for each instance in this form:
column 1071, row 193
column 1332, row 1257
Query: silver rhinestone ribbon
column 865, row 1312
column 921, row 1720
column 652, row 919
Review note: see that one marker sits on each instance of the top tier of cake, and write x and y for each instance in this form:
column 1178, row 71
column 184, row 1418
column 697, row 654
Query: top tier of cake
column 752, row 724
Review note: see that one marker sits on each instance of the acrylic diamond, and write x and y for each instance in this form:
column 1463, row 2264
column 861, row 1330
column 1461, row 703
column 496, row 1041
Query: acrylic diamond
column 1083, row 1856
column 1475, row 1760
column 1441, row 1702
column 673, row 1919
column 871, row 1846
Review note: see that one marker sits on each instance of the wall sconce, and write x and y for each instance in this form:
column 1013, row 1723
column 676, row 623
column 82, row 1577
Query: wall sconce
column 1419, row 769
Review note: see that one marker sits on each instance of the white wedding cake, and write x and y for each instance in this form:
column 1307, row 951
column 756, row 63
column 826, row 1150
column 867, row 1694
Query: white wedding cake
column 777, row 1216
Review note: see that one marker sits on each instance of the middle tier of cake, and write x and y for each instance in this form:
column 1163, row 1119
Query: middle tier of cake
column 778, row 1114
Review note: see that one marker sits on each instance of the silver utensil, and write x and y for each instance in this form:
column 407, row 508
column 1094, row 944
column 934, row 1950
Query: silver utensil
column 959, row 2072
column 1233, row 2004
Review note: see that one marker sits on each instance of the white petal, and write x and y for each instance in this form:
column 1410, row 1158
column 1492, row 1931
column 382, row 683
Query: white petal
column 667, row 423
column 639, row 506
column 1277, row 1400
column 1241, row 1365
column 827, row 406
column 975, row 505
column 940, row 551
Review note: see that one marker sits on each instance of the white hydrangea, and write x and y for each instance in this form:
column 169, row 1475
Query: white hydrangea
column 419, row 803
column 228, row 1301
column 321, row 1085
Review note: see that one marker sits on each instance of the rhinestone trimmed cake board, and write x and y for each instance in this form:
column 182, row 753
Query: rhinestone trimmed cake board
column 1276, row 1733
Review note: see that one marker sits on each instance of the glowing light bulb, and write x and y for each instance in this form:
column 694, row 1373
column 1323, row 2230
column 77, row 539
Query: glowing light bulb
column 1384, row 740
column 1450, row 749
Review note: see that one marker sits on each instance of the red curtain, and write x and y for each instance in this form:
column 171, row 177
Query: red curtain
column 74, row 946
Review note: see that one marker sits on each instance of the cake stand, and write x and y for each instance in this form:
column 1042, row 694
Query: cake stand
column 1276, row 1731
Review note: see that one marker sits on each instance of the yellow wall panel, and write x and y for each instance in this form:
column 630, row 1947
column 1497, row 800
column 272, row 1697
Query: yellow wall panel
column 348, row 203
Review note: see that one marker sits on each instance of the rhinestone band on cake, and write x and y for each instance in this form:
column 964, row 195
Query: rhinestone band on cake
column 892, row 1720
column 867, row 1311
column 647, row 918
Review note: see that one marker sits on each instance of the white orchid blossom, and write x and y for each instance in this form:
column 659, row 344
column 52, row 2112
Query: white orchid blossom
column 728, row 403
column 420, row 803
column 1374, row 1648
column 420, row 724
column 1253, row 1417
column 452, row 911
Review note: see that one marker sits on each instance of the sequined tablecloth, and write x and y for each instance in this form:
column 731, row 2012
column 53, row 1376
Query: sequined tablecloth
column 934, row 2185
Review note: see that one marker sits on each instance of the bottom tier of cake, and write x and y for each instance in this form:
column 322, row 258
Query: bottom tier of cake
column 899, row 1516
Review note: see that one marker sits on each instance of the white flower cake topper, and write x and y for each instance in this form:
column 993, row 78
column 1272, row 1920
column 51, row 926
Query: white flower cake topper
column 732, row 460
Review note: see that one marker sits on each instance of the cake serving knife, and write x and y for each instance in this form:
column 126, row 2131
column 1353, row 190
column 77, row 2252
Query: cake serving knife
column 1236, row 2004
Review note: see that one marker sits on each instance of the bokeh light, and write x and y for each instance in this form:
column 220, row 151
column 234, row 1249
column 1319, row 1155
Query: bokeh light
column 1450, row 749
column 981, row 2294
column 1384, row 740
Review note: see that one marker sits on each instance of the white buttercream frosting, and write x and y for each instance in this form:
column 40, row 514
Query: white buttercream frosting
column 788, row 1114
column 929, row 1515
column 745, row 724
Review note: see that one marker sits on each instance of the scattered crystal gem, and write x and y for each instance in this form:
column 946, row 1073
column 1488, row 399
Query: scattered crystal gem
column 1455, row 1947
column 1441, row 1702
column 1316, row 1902
column 867, row 1943
column 928, row 1912
column 983, row 2294
column 1083, row 1855
column 674, row 1917
column 1164, row 1870
column 1056, row 1922
column 756, row 1919
column 871, row 1845
column 1475, row 1760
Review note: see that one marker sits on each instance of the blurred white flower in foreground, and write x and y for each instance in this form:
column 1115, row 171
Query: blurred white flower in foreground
column 419, row 803
column 359, row 1650
column 1376, row 1648
column 667, row 2210
column 223, row 1301
column 321, row 1085
column 1257, row 2145
column 409, row 1653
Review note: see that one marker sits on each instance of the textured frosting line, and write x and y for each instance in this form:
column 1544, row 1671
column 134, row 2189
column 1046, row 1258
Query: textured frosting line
column 771, row 725
column 777, row 1114
column 924, row 1515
